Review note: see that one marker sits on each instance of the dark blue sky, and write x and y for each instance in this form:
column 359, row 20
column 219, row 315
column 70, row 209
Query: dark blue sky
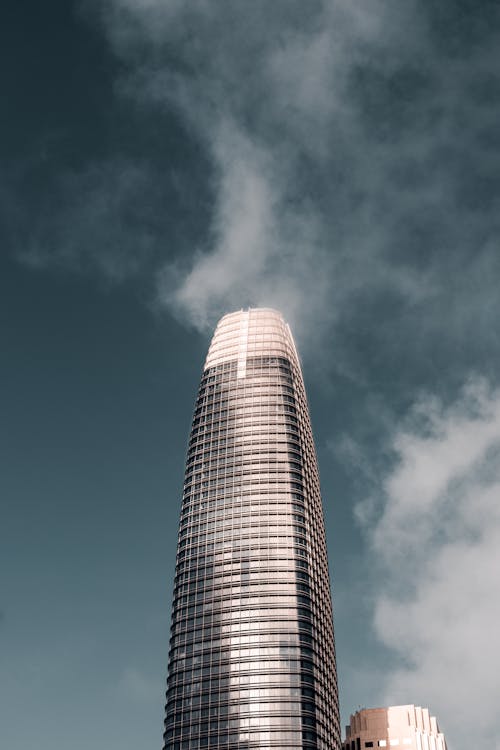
column 163, row 164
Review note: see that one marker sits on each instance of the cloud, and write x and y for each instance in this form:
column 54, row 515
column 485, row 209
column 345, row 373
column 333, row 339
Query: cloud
column 437, row 542
column 350, row 155
column 338, row 139
column 266, row 89
column 244, row 228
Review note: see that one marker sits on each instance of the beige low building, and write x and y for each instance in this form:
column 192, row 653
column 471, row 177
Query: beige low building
column 397, row 726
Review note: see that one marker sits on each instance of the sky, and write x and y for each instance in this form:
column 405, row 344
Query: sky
column 164, row 162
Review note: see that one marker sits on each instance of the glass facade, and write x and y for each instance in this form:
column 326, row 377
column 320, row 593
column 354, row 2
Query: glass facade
column 252, row 661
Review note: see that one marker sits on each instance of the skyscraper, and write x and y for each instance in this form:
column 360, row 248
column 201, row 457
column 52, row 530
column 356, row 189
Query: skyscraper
column 252, row 659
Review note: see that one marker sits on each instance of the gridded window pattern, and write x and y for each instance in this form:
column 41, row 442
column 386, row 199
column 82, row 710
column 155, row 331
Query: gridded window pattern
column 252, row 661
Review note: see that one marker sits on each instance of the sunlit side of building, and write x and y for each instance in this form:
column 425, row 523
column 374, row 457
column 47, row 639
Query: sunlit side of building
column 403, row 727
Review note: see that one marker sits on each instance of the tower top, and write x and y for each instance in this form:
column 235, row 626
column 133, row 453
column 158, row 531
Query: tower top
column 257, row 331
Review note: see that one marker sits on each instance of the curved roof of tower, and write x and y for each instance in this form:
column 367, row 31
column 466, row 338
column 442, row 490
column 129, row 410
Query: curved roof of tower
column 257, row 331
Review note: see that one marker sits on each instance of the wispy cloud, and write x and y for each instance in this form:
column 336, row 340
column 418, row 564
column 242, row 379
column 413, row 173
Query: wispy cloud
column 267, row 90
column 352, row 153
column 437, row 543
column 336, row 139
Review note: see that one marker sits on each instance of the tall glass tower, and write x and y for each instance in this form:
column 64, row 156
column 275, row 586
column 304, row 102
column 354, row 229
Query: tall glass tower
column 252, row 658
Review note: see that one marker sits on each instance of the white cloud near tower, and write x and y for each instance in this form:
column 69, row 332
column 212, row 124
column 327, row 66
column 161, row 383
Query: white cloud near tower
column 437, row 542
